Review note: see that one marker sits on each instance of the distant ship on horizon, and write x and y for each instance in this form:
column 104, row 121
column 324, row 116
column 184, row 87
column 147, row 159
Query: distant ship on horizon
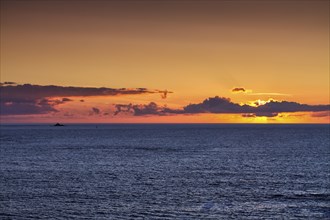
column 58, row 124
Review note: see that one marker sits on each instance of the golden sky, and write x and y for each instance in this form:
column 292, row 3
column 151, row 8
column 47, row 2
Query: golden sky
column 197, row 49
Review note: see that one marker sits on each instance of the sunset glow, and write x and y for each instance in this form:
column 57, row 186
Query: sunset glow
column 164, row 62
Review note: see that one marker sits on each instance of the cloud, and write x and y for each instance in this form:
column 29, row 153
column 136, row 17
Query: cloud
column 38, row 99
column 54, row 102
column 270, row 109
column 66, row 100
column 321, row 114
column 221, row 105
column 146, row 109
column 217, row 105
column 149, row 109
column 96, row 111
column 28, row 91
column 249, row 92
column 25, row 108
column 238, row 90
column 285, row 106
column 262, row 114
column 122, row 108
column 164, row 93
column 7, row 83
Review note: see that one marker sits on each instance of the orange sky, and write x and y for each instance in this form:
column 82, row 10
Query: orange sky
column 197, row 49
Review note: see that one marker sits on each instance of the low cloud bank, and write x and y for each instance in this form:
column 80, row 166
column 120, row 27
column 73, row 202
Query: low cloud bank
column 221, row 105
column 27, row 99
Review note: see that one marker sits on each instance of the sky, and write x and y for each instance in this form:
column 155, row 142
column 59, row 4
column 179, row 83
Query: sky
column 164, row 61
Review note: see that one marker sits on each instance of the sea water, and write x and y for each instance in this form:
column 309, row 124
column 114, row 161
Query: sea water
column 165, row 171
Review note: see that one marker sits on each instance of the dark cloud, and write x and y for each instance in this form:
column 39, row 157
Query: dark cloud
column 66, row 100
column 25, row 108
column 238, row 89
column 164, row 93
column 270, row 109
column 223, row 105
column 249, row 92
column 217, row 105
column 122, row 108
column 39, row 99
column 153, row 109
column 54, row 102
column 7, row 83
column 148, row 109
column 285, row 106
column 32, row 92
column 96, row 111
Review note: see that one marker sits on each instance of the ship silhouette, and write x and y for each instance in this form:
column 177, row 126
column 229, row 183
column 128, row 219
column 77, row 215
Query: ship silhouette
column 58, row 124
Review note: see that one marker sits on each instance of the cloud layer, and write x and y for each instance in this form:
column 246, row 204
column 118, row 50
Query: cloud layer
column 221, row 105
column 36, row 99
column 30, row 99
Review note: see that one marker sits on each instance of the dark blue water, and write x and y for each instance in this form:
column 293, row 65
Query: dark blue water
column 165, row 171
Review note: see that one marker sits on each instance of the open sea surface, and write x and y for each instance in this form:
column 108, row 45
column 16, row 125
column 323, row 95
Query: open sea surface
column 165, row 171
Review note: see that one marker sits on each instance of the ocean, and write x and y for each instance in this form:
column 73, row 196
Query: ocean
column 165, row 171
